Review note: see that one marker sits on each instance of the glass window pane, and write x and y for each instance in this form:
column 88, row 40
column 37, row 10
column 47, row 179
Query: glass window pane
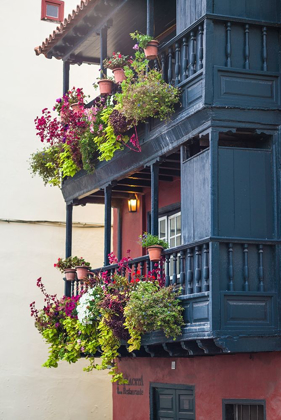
column 172, row 242
column 178, row 240
column 52, row 11
column 172, row 226
column 178, row 225
column 162, row 229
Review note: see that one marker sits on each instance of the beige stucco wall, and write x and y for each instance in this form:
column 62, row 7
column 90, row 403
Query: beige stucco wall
column 28, row 250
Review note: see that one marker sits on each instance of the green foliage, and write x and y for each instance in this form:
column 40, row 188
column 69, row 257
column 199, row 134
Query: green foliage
column 70, row 262
column 68, row 166
column 141, row 39
column 109, row 143
column 89, row 151
column 145, row 94
column 152, row 308
column 147, row 239
column 46, row 164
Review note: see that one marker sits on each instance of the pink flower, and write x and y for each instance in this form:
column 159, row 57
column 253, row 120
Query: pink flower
column 136, row 47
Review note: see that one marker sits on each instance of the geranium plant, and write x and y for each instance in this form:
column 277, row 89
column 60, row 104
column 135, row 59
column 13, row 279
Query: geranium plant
column 70, row 262
column 117, row 60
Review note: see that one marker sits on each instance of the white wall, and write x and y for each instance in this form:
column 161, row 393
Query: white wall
column 27, row 251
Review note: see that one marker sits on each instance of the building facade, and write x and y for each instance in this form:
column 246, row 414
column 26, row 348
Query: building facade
column 208, row 182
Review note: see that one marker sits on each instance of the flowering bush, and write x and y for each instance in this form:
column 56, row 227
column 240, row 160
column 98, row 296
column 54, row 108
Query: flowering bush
column 142, row 39
column 111, row 310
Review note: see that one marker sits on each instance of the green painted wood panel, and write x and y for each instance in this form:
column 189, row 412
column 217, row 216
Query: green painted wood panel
column 195, row 197
column 246, row 207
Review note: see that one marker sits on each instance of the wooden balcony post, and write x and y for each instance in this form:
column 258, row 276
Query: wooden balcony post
column 66, row 68
column 150, row 18
column 154, row 197
column 119, row 233
column 103, row 49
column 107, row 222
column 68, row 243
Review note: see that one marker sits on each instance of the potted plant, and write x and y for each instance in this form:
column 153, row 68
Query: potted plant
column 116, row 63
column 74, row 98
column 145, row 94
column 147, row 43
column 105, row 84
column 66, row 266
column 82, row 268
column 153, row 244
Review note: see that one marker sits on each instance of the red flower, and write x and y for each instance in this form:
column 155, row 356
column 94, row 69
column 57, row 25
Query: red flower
column 138, row 272
column 120, row 55
column 55, row 265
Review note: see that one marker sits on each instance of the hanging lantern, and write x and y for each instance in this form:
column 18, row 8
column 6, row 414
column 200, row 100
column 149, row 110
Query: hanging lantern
column 133, row 204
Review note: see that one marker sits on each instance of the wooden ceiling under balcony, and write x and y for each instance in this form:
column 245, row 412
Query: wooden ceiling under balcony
column 169, row 170
column 81, row 43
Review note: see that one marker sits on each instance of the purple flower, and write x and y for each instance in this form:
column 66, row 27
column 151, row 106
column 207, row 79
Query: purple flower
column 136, row 47
column 57, row 324
column 58, row 100
column 82, row 349
column 79, row 341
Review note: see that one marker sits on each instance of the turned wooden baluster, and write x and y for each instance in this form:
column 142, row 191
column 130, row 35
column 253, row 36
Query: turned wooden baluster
column 264, row 48
column 177, row 66
column 228, row 44
column 230, row 267
column 246, row 268
column 192, row 55
column 261, row 269
column 199, row 61
column 163, row 66
column 247, row 47
column 175, row 260
column 170, row 69
column 206, row 267
column 197, row 270
column 189, row 282
column 184, row 59
column 167, row 282
column 182, row 268
column 142, row 268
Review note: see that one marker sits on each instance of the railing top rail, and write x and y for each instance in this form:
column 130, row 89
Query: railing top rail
column 224, row 18
column 182, row 34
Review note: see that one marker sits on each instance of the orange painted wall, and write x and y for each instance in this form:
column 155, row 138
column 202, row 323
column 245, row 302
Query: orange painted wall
column 134, row 224
column 240, row 376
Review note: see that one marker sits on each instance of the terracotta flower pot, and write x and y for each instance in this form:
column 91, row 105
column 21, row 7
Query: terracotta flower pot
column 151, row 50
column 82, row 272
column 155, row 252
column 63, row 117
column 76, row 108
column 70, row 274
column 119, row 75
column 105, row 86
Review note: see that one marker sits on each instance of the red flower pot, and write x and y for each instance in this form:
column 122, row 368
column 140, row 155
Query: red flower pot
column 82, row 272
column 119, row 75
column 105, row 86
column 151, row 50
column 70, row 274
column 155, row 252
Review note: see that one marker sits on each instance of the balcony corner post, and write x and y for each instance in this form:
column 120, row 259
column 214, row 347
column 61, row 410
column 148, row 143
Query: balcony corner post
column 107, row 222
column 66, row 70
column 154, row 197
column 68, row 243
column 150, row 18
column 103, row 49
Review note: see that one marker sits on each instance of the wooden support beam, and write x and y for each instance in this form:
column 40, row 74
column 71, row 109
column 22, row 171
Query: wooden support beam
column 154, row 197
column 134, row 182
column 103, row 49
column 68, row 243
column 66, row 67
column 107, row 222
column 150, row 18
